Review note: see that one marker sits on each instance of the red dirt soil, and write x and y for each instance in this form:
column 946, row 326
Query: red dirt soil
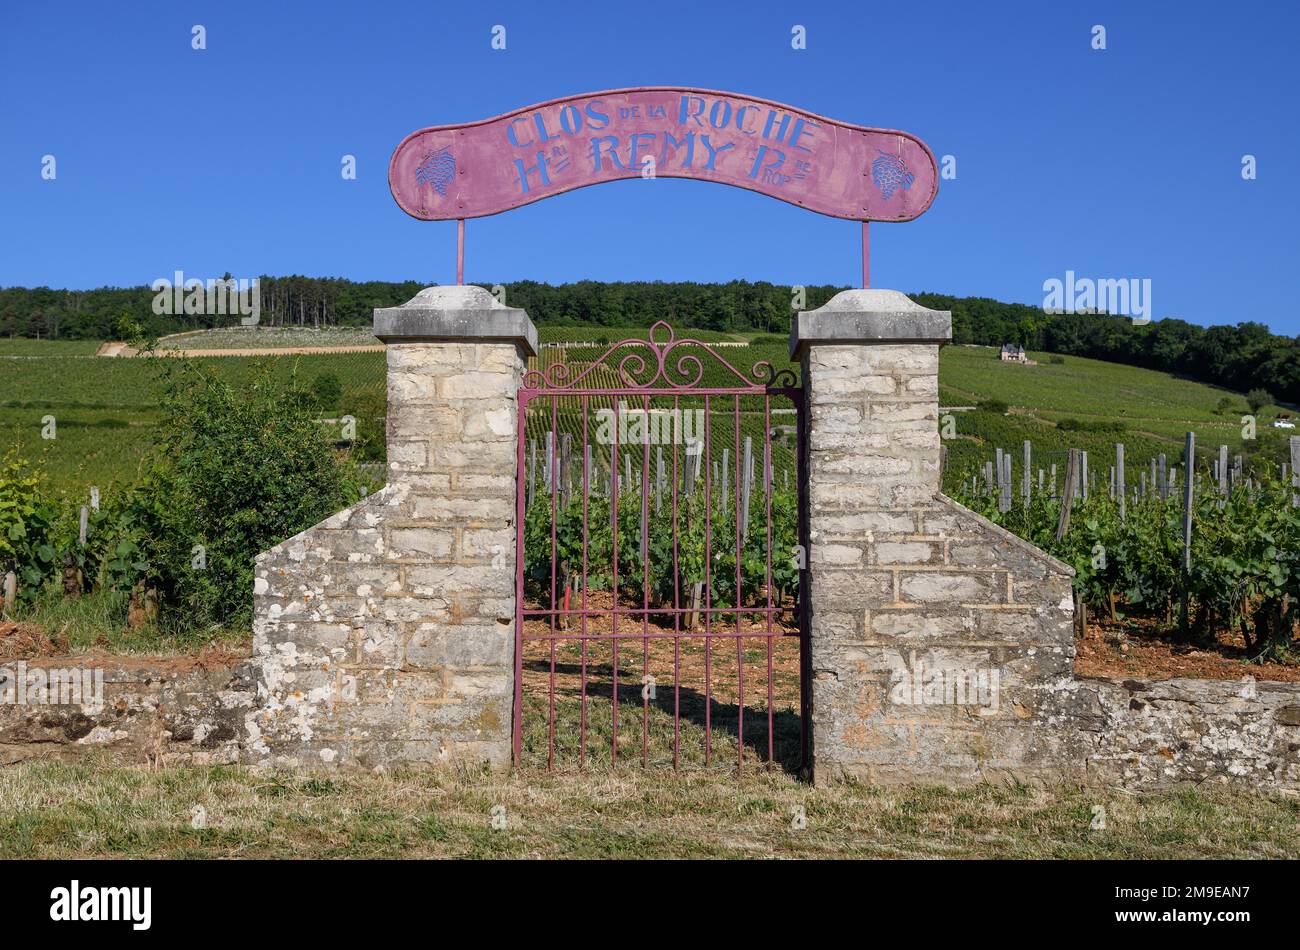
column 29, row 641
column 1139, row 649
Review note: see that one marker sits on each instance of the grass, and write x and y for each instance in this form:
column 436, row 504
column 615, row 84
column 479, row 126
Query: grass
column 1156, row 409
column 93, row 809
column 97, row 621
column 1154, row 404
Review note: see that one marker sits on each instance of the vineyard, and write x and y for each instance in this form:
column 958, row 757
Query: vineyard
column 86, row 422
column 1215, row 557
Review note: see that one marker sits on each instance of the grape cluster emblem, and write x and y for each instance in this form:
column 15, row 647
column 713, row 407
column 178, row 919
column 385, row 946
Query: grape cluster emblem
column 437, row 169
column 888, row 173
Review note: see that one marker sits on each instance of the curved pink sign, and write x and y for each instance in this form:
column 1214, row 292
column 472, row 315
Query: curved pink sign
column 481, row 168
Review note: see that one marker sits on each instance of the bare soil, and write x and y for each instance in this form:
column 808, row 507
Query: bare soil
column 1147, row 650
column 30, row 641
column 720, row 666
column 22, row 641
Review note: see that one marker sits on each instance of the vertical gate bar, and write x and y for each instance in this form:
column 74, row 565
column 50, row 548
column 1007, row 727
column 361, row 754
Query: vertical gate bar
column 708, row 600
column 645, row 582
column 586, row 475
column 677, row 616
column 740, row 665
column 676, row 610
column 767, row 496
column 520, row 488
column 613, row 643
column 551, row 461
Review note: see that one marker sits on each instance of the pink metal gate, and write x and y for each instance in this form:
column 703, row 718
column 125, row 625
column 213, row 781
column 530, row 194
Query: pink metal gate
column 660, row 506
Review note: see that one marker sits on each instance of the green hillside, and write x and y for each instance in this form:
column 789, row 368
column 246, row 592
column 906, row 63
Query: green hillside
column 105, row 409
column 1152, row 411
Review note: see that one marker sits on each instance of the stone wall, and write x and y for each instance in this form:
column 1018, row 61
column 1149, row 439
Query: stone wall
column 1142, row 734
column 386, row 633
column 1137, row 734
column 151, row 710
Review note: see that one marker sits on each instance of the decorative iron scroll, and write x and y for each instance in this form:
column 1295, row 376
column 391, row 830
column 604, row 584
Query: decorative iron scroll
column 655, row 358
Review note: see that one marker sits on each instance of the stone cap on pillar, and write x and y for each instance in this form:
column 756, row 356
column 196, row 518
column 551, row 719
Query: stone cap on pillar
column 460, row 312
column 869, row 317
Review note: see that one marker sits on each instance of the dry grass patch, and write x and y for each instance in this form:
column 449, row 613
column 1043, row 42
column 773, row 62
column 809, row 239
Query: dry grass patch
column 95, row 809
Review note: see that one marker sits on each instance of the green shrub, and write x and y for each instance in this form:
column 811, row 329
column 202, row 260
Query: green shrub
column 26, row 525
column 992, row 405
column 1257, row 399
column 236, row 471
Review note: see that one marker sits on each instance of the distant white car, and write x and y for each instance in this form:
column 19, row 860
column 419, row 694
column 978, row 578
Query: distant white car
column 1283, row 424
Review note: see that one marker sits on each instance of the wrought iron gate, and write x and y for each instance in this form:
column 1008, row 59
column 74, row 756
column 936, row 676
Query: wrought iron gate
column 660, row 506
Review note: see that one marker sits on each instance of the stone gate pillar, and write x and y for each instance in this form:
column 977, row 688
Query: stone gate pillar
column 941, row 644
column 385, row 634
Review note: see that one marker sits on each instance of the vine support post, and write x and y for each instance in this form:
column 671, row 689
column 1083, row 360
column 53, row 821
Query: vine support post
column 1295, row 469
column 1067, row 494
column 10, row 598
column 1223, row 475
column 1027, row 481
column 1121, row 489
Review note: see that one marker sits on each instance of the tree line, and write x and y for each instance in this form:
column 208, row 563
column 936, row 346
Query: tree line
column 1243, row 356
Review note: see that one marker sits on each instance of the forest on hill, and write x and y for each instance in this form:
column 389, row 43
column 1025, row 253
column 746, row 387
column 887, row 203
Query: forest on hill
column 1241, row 356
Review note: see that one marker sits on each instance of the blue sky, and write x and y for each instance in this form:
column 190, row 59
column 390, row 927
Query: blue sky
column 1122, row 163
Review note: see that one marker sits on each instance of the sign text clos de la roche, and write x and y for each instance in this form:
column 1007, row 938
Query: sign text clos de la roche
column 450, row 172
